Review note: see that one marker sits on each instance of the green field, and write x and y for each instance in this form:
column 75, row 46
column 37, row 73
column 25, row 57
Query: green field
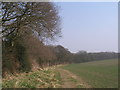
column 98, row 74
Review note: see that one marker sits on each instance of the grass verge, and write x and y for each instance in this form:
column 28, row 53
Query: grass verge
column 45, row 78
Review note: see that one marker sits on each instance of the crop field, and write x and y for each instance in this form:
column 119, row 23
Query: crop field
column 98, row 74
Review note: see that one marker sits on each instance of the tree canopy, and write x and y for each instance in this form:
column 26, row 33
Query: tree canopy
column 37, row 18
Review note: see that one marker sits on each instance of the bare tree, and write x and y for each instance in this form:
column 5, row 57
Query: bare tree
column 38, row 18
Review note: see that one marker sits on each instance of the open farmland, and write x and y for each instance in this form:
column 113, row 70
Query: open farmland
column 98, row 74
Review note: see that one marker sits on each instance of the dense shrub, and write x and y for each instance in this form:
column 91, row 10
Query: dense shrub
column 22, row 57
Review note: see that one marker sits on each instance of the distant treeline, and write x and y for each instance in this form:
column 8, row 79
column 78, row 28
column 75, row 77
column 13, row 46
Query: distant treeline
column 83, row 56
column 65, row 56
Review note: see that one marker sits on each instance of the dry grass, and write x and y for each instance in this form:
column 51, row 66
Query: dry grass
column 42, row 78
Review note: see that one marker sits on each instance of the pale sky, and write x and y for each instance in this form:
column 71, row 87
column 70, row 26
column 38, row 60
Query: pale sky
column 89, row 26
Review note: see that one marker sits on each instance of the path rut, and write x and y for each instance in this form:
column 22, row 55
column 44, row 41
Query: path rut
column 70, row 80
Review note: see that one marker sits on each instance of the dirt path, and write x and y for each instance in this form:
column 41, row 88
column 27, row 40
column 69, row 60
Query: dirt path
column 70, row 80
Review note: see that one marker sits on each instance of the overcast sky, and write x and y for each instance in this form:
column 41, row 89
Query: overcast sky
column 89, row 26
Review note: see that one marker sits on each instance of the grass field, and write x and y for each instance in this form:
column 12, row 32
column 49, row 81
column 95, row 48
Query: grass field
column 99, row 74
